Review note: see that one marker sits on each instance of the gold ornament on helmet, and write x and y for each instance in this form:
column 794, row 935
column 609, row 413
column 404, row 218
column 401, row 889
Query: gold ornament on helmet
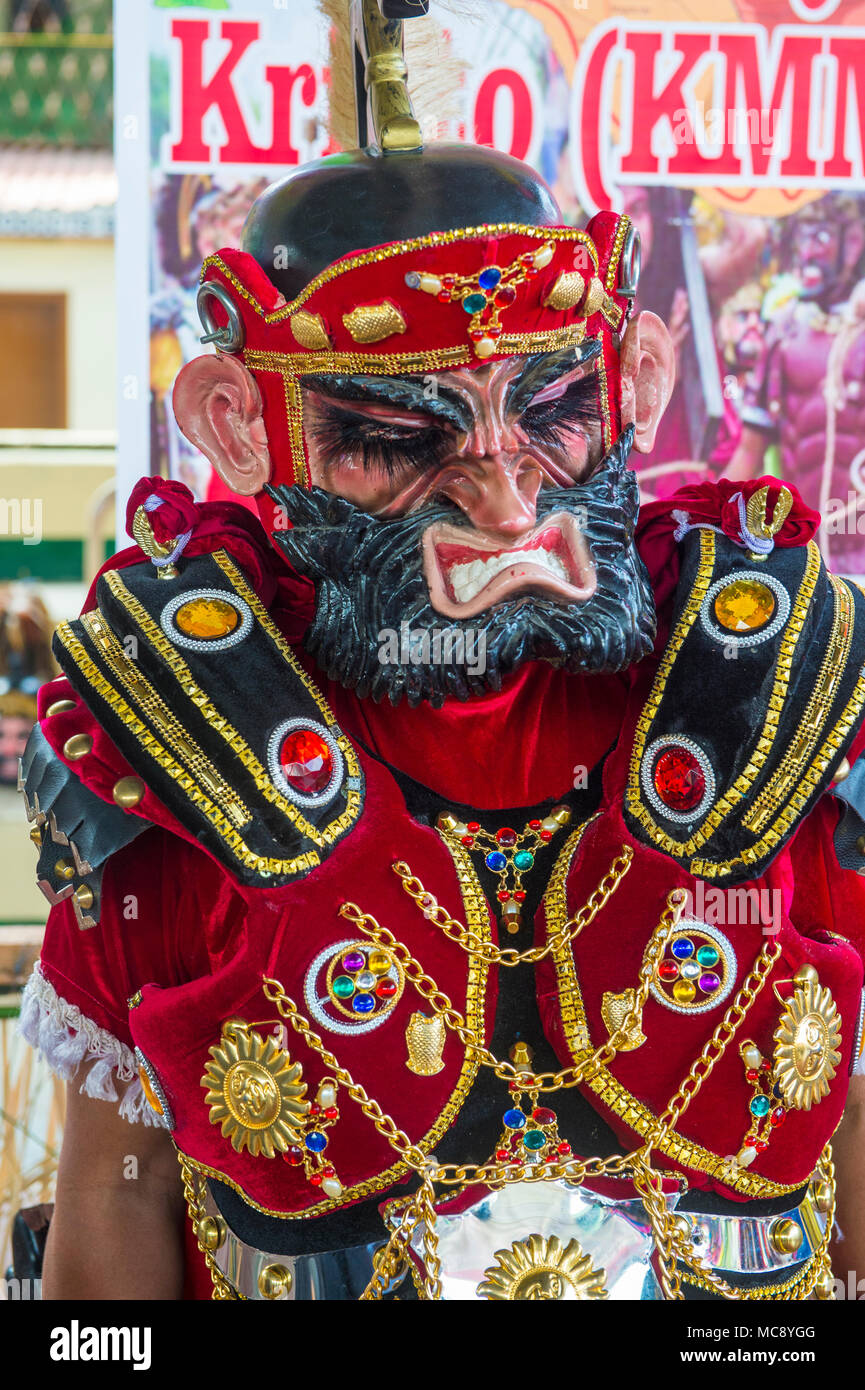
column 255, row 1092
column 807, row 1040
column 543, row 1270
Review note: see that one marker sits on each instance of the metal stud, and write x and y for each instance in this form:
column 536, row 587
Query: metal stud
column 78, row 746
column 211, row 1232
column 63, row 869
column 84, row 896
column 822, row 1194
column 786, row 1235
column 274, row 1281
column 128, row 792
column 59, row 707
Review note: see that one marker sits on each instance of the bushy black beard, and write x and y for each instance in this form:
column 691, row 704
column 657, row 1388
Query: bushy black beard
column 368, row 578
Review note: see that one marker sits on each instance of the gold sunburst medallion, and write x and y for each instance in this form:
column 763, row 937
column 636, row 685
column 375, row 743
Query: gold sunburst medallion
column 255, row 1092
column 541, row 1269
column 806, row 1045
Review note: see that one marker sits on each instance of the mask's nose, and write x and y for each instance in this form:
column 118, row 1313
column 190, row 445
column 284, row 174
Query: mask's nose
column 497, row 493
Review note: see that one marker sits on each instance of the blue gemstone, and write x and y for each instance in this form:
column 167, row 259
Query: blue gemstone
column 760, row 1105
column 316, row 1142
column 523, row 859
column 489, row 278
column 535, row 1139
column 496, row 861
column 776, row 1091
column 473, row 303
column 514, row 1119
column 363, row 1003
column 683, row 948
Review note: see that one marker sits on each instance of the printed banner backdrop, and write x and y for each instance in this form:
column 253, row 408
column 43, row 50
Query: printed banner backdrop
column 734, row 140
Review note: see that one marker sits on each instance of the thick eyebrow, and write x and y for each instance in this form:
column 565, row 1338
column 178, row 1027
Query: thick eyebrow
column 412, row 392
column 545, row 367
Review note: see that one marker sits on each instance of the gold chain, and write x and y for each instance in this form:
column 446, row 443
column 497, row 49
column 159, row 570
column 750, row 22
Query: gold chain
column 195, row 1206
column 487, row 950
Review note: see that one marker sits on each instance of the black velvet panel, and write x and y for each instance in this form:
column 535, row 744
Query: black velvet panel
column 251, row 684
column 718, row 695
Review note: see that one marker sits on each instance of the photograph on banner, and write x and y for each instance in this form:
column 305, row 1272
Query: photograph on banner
column 733, row 142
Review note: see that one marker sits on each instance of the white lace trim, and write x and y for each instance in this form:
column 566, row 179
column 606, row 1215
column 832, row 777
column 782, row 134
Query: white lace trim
column 67, row 1039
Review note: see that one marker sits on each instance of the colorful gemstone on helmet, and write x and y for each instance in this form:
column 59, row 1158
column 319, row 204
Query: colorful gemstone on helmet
column 496, row 861
column 316, row 1142
column 343, row 987
column 353, row 961
column 679, row 779
column 489, row 277
column 683, row 991
column 523, row 859
column 293, row 1156
column 379, row 962
column 682, row 948
column 709, row 982
column 306, row 761
column 668, row 970
column 363, row 1003
column 760, row 1105
column 365, row 980
column 535, row 1139
column 708, row 956
column 386, row 988
column 505, row 295
column 506, row 837
column 744, row 605
column 207, row 619
column 514, row 1119
column 473, row 303
column 689, row 970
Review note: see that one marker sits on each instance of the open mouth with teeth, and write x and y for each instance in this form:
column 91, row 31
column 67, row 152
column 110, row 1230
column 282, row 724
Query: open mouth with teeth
column 466, row 573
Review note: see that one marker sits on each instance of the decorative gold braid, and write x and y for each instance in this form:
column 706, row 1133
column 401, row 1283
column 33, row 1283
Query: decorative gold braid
column 193, row 1192
column 398, row 248
column 163, row 718
column 831, row 673
column 494, row 955
column 741, row 787
column 432, row 1263
column 615, row 254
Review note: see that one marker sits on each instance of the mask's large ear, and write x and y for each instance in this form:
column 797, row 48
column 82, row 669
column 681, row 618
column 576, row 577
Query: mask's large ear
column 648, row 371
column 217, row 405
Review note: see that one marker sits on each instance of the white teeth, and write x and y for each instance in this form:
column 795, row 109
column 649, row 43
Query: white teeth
column 467, row 580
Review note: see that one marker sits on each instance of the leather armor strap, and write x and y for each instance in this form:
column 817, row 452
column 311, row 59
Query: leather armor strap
column 199, row 691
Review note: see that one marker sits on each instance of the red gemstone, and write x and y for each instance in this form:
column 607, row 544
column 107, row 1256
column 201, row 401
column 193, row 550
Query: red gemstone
column 306, row 760
column 331, row 1113
column 503, row 895
column 761, row 1146
column 766, row 1066
column 315, row 1179
column 506, row 836
column 520, row 895
column 751, row 1075
column 564, row 1149
column 329, row 1171
column 534, row 825
column 386, row 988
column 315, row 1109
column 546, row 834
column 293, row 1156
column 473, row 826
column 506, row 295
column 502, row 1154
column 777, row 1118
column 476, row 334
column 467, row 840
column 668, row 970
column 679, row 779
column 494, row 330
column 544, row 1117
column 444, row 297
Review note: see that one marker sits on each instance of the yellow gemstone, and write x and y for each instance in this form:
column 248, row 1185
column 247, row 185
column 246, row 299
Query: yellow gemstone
column 152, row 1098
column 207, row 618
column 379, row 962
column 683, row 991
column 744, row 605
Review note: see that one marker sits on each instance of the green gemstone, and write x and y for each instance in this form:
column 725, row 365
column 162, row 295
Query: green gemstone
column 343, row 987
column 534, row 1139
column 473, row 303
column 707, row 955
column 760, row 1105
column 523, row 859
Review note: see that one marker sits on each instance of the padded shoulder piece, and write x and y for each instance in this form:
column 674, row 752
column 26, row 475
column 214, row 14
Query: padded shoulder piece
column 75, row 830
column 761, row 712
column 205, row 699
